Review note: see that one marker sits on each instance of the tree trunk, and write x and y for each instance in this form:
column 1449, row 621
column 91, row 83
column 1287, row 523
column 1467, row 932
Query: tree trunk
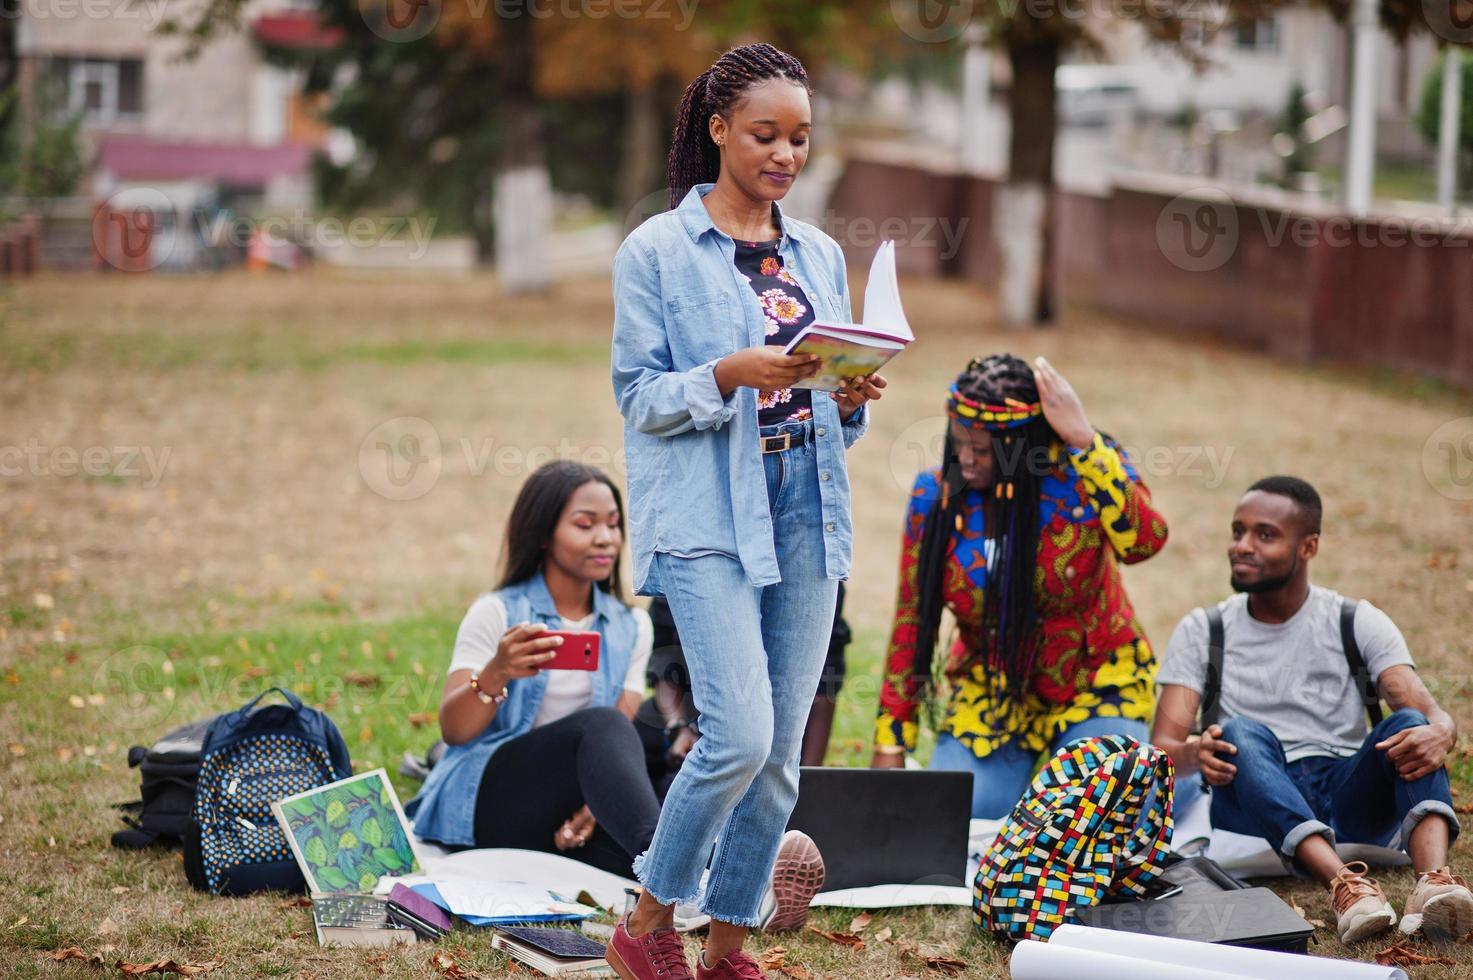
column 639, row 170
column 1023, row 218
column 522, row 194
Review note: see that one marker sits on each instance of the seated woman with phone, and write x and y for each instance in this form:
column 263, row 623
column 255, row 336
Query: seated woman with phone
column 547, row 673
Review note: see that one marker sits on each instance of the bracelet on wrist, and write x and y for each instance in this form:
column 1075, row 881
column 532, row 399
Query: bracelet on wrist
column 481, row 693
column 890, row 749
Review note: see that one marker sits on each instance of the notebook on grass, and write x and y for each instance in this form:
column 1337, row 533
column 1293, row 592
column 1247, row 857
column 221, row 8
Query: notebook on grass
column 356, row 920
column 555, row 952
column 348, row 834
column 852, row 350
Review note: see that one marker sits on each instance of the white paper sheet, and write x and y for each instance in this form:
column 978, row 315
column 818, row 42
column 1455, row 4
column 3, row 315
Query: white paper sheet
column 1046, row 961
column 893, row 897
column 1238, row 961
column 882, row 295
column 550, row 871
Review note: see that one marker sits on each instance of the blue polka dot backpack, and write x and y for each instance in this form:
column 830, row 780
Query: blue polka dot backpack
column 251, row 758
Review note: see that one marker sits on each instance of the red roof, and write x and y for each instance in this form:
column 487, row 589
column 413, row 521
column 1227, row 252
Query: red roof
column 144, row 158
column 296, row 29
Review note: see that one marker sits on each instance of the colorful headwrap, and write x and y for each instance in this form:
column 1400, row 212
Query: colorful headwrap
column 972, row 414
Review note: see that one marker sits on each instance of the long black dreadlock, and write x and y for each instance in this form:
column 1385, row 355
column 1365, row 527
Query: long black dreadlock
column 694, row 158
column 1009, row 616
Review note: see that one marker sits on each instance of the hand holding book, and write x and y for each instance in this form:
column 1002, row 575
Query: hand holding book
column 856, row 392
column 854, row 351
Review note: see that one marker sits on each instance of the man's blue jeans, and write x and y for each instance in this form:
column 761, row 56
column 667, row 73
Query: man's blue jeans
column 1360, row 799
column 754, row 657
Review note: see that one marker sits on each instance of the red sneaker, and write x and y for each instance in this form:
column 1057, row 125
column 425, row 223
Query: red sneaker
column 657, row 955
column 735, row 965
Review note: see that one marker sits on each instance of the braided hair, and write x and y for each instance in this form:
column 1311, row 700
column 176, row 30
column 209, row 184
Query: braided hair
column 1009, row 615
column 694, row 158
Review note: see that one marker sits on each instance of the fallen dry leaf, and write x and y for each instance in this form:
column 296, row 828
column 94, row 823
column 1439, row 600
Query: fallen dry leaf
column 166, row 966
column 20, row 922
column 107, row 926
column 73, row 953
column 772, row 958
column 421, row 718
column 860, row 921
column 948, row 965
column 300, row 902
column 1463, row 807
column 883, row 936
column 446, row 964
column 120, row 889
column 796, row 972
column 1403, row 955
column 840, row 938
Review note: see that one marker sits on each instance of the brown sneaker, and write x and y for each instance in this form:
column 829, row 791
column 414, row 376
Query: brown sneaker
column 1440, row 904
column 735, row 965
column 1361, row 909
column 657, row 955
column 797, row 875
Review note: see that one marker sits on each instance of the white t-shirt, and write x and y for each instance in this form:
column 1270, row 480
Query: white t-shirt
column 568, row 691
column 1291, row 676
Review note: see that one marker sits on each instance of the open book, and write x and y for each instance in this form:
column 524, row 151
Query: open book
column 851, row 350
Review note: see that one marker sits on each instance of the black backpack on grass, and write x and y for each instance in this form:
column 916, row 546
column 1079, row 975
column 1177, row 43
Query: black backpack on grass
column 169, row 769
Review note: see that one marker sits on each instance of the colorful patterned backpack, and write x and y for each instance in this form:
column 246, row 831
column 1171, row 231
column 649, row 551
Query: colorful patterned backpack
column 1076, row 836
column 250, row 759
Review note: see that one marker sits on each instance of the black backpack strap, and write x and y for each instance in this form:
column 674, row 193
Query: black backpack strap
column 1212, row 688
column 1359, row 672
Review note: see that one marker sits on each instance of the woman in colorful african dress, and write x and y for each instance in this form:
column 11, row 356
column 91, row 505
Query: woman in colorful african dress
column 1022, row 538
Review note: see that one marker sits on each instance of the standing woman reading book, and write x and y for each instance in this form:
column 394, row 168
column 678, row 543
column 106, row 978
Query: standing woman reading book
column 547, row 760
column 1020, row 533
column 738, row 496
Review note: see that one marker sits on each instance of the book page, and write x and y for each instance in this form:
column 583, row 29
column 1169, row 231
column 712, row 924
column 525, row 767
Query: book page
column 882, row 296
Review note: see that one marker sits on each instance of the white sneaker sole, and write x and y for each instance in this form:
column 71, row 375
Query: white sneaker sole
column 1369, row 924
column 1443, row 916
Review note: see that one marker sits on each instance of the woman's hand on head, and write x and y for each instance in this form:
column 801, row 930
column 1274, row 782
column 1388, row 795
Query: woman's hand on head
column 522, row 652
column 1061, row 406
column 764, row 368
column 856, row 392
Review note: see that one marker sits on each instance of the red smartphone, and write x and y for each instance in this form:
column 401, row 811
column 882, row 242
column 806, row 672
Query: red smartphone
column 578, row 652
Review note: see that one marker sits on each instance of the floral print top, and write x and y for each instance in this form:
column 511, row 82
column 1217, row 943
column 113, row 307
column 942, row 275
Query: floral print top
column 787, row 311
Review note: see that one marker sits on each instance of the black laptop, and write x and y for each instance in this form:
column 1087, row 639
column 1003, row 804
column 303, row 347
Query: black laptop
column 886, row 826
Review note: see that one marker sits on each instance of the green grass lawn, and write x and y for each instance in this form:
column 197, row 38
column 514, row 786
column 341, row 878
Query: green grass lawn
column 262, row 554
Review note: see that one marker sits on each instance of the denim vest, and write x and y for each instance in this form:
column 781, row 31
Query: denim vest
column 696, row 483
column 444, row 809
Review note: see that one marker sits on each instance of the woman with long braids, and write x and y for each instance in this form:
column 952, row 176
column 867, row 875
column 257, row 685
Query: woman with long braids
column 1020, row 533
column 739, row 500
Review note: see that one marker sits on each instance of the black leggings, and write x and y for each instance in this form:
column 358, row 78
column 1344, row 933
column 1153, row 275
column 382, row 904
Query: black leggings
column 536, row 781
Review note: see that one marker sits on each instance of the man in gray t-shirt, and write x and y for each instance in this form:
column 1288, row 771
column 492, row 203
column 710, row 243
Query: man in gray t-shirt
column 1292, row 760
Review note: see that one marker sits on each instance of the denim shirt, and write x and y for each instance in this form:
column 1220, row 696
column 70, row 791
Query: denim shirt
column 696, row 483
column 444, row 809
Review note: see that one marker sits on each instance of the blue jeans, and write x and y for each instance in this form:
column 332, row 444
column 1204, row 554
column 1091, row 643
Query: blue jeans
column 755, row 656
column 1360, row 799
column 1000, row 778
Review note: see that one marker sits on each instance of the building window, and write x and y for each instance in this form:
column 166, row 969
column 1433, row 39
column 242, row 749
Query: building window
column 102, row 90
column 1256, row 35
